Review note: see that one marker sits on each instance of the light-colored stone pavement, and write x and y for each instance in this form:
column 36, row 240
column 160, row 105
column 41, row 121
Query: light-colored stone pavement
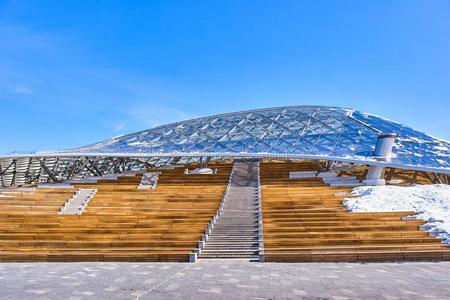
column 225, row 279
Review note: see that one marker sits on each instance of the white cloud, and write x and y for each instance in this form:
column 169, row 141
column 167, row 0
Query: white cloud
column 69, row 77
column 152, row 115
column 22, row 90
column 120, row 126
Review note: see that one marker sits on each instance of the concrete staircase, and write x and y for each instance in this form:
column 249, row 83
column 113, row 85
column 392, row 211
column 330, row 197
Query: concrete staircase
column 78, row 202
column 235, row 234
column 149, row 180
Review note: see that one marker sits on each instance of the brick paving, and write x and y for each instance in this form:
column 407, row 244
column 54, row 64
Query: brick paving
column 225, row 279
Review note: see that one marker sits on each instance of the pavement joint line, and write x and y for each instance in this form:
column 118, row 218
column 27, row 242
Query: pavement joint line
column 164, row 281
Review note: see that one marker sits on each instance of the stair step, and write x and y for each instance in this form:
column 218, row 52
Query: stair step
column 235, row 234
column 221, row 249
column 228, row 256
column 232, row 239
column 232, row 245
column 247, row 251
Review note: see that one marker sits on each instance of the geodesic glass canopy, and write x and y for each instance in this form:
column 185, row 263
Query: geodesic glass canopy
column 298, row 132
column 301, row 131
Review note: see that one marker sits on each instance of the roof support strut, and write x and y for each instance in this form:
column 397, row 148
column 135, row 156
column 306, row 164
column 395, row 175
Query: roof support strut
column 47, row 170
column 383, row 151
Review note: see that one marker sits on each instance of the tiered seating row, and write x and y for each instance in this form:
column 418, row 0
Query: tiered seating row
column 121, row 223
column 41, row 200
column 304, row 221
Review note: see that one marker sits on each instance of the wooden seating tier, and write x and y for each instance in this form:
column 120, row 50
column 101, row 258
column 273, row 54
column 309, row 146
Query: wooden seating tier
column 304, row 221
column 40, row 200
column 121, row 222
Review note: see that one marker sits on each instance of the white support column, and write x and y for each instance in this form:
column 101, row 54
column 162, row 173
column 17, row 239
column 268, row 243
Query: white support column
column 383, row 151
column 204, row 161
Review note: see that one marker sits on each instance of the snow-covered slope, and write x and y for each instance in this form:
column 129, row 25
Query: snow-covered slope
column 431, row 202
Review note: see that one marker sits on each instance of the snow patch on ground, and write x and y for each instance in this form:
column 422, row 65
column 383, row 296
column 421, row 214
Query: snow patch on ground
column 431, row 202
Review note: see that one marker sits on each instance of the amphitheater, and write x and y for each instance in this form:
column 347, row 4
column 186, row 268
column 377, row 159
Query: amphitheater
column 264, row 185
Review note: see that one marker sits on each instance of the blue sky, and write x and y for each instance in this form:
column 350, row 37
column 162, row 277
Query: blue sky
column 77, row 72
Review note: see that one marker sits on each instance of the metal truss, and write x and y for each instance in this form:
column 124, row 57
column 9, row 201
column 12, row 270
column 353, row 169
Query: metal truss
column 31, row 170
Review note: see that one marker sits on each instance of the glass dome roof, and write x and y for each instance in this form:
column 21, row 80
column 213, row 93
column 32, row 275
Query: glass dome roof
column 295, row 132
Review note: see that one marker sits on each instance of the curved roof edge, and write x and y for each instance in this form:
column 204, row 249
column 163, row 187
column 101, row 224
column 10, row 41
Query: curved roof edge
column 362, row 161
column 350, row 132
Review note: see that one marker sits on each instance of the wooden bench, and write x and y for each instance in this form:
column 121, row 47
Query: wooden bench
column 121, row 222
column 304, row 221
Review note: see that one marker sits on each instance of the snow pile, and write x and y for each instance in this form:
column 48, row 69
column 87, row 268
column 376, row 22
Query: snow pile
column 431, row 202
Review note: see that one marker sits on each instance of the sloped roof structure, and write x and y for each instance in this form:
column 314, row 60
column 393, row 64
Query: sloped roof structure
column 309, row 132
column 301, row 131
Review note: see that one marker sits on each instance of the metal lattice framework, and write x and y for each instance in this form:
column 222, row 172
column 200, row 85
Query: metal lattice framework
column 27, row 170
column 302, row 132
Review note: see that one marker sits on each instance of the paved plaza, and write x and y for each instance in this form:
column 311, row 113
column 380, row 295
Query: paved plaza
column 225, row 279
